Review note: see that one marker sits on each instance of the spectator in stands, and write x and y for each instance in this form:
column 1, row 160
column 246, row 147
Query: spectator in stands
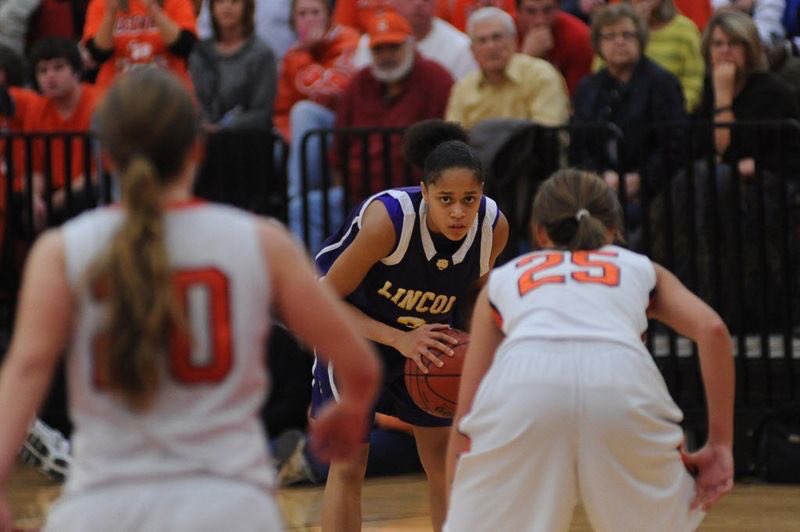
column 271, row 19
column 400, row 88
column 314, row 73
column 435, row 38
column 358, row 13
column 234, row 72
column 674, row 44
column 739, row 88
column 632, row 92
column 457, row 12
column 547, row 32
column 63, row 104
column 582, row 9
column 755, row 168
column 121, row 35
column 14, row 18
column 508, row 84
column 767, row 15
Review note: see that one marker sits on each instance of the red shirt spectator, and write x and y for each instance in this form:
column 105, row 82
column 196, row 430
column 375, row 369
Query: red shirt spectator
column 364, row 103
column 400, row 88
column 65, row 105
column 36, row 113
column 547, row 32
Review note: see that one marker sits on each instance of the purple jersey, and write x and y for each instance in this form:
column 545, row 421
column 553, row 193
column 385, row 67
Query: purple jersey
column 425, row 275
column 421, row 281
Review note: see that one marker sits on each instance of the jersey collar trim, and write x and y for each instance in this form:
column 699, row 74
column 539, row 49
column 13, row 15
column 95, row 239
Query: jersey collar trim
column 427, row 241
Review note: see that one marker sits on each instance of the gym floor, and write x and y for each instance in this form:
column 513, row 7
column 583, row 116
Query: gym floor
column 399, row 504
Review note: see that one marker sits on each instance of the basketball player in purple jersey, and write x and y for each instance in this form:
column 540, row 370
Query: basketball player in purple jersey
column 404, row 260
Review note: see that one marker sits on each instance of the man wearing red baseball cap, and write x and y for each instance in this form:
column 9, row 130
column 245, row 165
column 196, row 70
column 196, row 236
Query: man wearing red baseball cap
column 400, row 87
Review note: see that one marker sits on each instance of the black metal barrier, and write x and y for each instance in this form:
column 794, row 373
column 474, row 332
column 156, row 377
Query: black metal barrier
column 357, row 161
column 43, row 184
column 731, row 232
column 247, row 169
column 62, row 168
column 733, row 239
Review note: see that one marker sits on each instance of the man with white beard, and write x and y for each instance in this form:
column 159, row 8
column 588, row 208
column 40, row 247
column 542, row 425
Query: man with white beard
column 435, row 39
column 398, row 89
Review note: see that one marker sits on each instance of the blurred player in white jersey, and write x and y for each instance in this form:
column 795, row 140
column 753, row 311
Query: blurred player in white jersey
column 560, row 400
column 163, row 303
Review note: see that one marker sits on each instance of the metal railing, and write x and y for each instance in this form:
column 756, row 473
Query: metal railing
column 734, row 240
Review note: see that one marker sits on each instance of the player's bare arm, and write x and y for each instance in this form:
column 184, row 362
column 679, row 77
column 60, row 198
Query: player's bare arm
column 313, row 311
column 687, row 314
column 40, row 333
column 484, row 340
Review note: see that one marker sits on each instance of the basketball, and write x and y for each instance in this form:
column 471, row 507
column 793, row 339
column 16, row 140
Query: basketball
column 436, row 392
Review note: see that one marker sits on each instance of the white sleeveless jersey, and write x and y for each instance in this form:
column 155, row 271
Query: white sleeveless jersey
column 204, row 420
column 585, row 295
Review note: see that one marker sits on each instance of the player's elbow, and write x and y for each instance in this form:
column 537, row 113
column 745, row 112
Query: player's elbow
column 715, row 332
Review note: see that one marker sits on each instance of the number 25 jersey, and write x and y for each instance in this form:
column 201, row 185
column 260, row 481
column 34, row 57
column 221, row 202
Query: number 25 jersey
column 553, row 294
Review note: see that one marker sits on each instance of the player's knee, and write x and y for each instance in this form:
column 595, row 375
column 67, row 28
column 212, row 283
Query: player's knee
column 349, row 473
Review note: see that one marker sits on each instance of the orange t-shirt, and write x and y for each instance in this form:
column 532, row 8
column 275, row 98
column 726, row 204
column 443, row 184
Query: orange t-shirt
column 137, row 40
column 456, row 12
column 318, row 74
column 356, row 13
column 36, row 113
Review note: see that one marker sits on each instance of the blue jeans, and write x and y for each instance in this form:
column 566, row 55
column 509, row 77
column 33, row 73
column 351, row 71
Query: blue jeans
column 316, row 219
column 305, row 116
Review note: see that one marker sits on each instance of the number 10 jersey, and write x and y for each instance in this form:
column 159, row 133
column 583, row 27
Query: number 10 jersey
column 204, row 419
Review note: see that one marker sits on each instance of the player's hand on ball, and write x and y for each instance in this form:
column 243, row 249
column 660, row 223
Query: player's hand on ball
column 714, row 467
column 338, row 431
column 429, row 341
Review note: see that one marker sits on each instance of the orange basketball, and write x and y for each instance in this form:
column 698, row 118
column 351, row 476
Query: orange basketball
column 437, row 391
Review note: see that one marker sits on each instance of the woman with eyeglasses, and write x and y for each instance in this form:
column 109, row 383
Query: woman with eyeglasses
column 752, row 158
column 631, row 92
